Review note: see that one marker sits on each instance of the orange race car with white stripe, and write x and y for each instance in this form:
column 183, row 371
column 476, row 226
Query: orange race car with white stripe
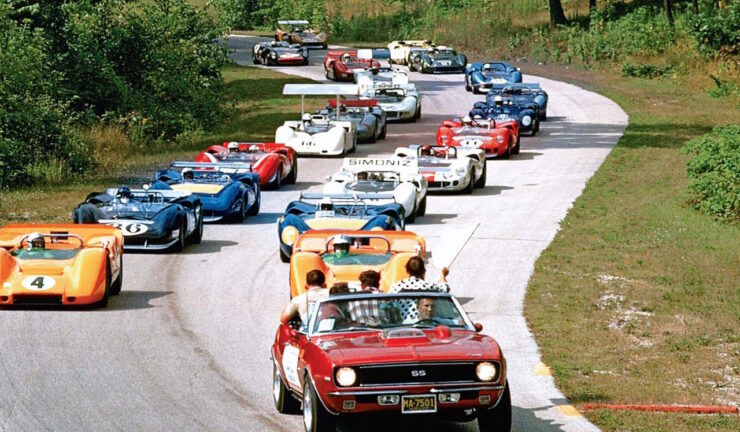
column 383, row 251
column 60, row 264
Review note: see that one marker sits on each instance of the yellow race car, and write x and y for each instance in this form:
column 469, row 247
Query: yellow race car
column 400, row 50
column 383, row 251
column 60, row 264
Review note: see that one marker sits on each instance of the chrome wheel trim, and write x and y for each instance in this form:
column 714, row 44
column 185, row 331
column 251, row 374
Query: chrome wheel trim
column 307, row 411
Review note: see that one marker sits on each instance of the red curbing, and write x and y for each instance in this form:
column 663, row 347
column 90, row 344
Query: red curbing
column 694, row 409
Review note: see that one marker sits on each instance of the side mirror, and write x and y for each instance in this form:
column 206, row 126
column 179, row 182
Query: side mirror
column 478, row 327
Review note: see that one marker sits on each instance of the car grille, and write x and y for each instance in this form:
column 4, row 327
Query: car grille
column 37, row 299
column 430, row 373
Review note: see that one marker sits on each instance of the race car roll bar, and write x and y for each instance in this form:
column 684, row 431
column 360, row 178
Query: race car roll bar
column 320, row 90
column 352, row 238
column 218, row 166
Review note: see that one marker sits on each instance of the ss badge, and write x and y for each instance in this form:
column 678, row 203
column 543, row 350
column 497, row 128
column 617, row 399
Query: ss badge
column 418, row 373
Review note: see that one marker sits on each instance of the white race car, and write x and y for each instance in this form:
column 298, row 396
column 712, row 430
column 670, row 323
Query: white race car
column 318, row 134
column 400, row 50
column 448, row 168
column 400, row 177
column 399, row 101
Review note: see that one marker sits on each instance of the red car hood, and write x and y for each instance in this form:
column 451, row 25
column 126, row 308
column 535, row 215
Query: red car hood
column 373, row 348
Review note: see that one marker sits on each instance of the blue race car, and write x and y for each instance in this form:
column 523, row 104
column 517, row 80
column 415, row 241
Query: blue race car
column 479, row 77
column 148, row 219
column 505, row 109
column 335, row 211
column 522, row 94
column 228, row 191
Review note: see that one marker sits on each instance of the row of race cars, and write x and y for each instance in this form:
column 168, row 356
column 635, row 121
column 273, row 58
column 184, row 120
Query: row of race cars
column 335, row 362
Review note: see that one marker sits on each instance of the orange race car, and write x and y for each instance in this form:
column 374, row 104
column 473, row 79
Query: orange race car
column 343, row 255
column 60, row 264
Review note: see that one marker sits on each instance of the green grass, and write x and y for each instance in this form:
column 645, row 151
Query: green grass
column 647, row 288
column 255, row 108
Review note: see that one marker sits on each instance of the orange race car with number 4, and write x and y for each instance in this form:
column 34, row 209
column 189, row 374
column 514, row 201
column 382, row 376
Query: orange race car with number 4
column 60, row 264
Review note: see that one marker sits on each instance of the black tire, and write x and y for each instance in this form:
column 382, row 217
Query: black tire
column 498, row 418
column 411, row 218
column 374, row 136
column 354, row 145
column 275, row 184
column 481, row 183
column 117, row 284
column 103, row 302
column 325, row 46
column 326, row 73
column 422, row 210
column 180, row 244
column 197, row 236
column 315, row 417
column 469, row 188
column 284, row 401
column 417, row 115
column 293, row 174
column 507, row 153
column 517, row 146
column 283, row 257
column 537, row 125
column 383, row 132
column 543, row 116
column 252, row 211
column 255, row 60
column 467, row 86
column 475, row 91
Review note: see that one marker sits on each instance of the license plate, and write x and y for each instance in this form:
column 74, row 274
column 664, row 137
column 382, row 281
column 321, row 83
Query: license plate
column 419, row 404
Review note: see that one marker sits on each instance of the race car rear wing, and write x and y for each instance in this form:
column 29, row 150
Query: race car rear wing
column 292, row 22
column 354, row 103
column 355, row 196
column 380, row 164
column 213, row 166
column 159, row 195
column 498, row 88
column 374, row 53
column 320, row 90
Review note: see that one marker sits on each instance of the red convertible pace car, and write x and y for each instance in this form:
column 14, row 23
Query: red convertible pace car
column 496, row 138
column 342, row 65
column 405, row 354
column 276, row 164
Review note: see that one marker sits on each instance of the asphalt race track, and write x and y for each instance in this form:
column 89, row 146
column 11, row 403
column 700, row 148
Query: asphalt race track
column 186, row 344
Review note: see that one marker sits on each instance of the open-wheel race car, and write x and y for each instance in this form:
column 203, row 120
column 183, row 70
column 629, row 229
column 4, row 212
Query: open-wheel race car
column 148, row 219
column 276, row 164
column 342, row 65
column 481, row 77
column 498, row 139
column 383, row 251
column 226, row 191
column 274, row 53
column 397, row 177
column 401, row 50
column 526, row 95
column 346, row 212
column 368, row 117
column 366, row 354
column 317, row 134
column 60, row 264
column 440, row 59
column 457, row 169
column 299, row 32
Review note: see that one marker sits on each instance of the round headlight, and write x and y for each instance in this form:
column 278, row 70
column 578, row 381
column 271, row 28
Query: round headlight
column 486, row 371
column 289, row 235
column 499, row 139
column 273, row 54
column 460, row 171
column 526, row 120
column 346, row 376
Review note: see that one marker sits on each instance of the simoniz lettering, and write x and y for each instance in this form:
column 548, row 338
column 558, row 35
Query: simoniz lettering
column 377, row 162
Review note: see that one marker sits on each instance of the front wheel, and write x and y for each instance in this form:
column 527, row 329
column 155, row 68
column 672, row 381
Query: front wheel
column 197, row 235
column 481, row 182
column 285, row 403
column 180, row 244
column 422, row 210
column 283, row 256
column 293, row 174
column 471, row 182
column 517, row 146
column 315, row 417
column 116, row 286
column 498, row 418
column 384, row 131
column 256, row 206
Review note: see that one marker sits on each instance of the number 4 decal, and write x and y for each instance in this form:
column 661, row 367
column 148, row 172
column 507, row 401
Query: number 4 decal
column 38, row 283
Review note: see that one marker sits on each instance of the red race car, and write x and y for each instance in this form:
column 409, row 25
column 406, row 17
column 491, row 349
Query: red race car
column 342, row 65
column 276, row 164
column 412, row 353
column 496, row 138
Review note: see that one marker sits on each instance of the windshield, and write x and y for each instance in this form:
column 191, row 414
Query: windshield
column 345, row 258
column 45, row 254
column 380, row 311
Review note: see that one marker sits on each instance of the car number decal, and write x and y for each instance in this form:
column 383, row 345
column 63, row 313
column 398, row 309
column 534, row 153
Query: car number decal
column 38, row 283
column 290, row 364
column 131, row 229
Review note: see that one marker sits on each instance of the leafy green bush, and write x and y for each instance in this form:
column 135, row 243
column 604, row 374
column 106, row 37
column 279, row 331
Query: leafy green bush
column 718, row 30
column 714, row 172
column 646, row 70
column 247, row 14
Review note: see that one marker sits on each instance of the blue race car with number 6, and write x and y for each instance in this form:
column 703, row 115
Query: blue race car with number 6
column 522, row 94
column 227, row 190
column 480, row 77
column 506, row 110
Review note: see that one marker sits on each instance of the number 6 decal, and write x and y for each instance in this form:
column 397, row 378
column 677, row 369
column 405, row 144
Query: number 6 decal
column 38, row 283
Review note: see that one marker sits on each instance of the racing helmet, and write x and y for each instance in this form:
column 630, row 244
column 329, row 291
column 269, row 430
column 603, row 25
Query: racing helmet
column 498, row 100
column 36, row 241
column 187, row 174
column 341, row 244
column 426, row 150
column 306, row 118
column 233, row 147
column 254, row 148
column 326, row 205
column 467, row 121
column 124, row 194
column 345, row 58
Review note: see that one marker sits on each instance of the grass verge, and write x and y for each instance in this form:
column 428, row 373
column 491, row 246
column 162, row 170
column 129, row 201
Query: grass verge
column 256, row 108
column 647, row 288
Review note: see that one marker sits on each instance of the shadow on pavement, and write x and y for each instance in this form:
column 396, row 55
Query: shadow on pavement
column 208, row 246
column 129, row 300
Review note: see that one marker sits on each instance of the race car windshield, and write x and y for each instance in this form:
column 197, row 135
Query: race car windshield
column 378, row 311
column 352, row 258
column 494, row 67
column 44, row 254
